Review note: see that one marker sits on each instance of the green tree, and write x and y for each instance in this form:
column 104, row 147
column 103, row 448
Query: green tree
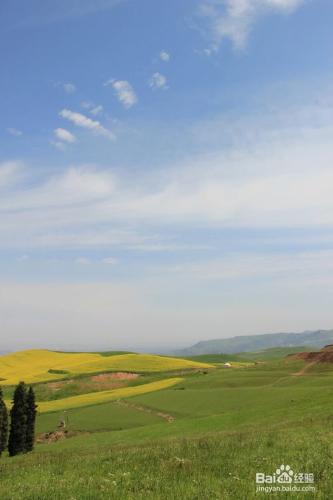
column 18, row 424
column 31, row 412
column 3, row 424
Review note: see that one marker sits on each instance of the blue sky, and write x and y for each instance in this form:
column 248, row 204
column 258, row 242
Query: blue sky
column 165, row 170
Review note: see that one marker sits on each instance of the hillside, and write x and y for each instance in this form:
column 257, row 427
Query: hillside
column 202, row 435
column 38, row 365
column 271, row 353
column 325, row 355
column 249, row 343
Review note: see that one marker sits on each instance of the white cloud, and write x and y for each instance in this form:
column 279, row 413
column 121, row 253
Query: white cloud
column 10, row 172
column 87, row 123
column 168, row 247
column 110, row 261
column 90, row 235
column 64, row 135
column 71, row 188
column 124, row 92
column 237, row 266
column 278, row 177
column 164, row 56
column 14, row 131
column 274, row 188
column 59, row 145
column 69, row 88
column 82, row 261
column 158, row 81
column 95, row 110
column 234, row 19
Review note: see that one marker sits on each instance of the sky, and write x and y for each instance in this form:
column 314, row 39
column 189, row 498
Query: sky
column 166, row 171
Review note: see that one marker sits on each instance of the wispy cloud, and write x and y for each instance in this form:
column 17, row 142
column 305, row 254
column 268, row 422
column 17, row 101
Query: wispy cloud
column 280, row 265
column 124, row 92
column 93, row 109
column 87, row 123
column 10, row 173
column 234, row 19
column 82, row 261
column 96, row 110
column 70, row 188
column 67, row 87
column 59, row 145
column 64, row 135
column 158, row 81
column 266, row 181
column 110, row 261
column 164, row 56
column 14, row 131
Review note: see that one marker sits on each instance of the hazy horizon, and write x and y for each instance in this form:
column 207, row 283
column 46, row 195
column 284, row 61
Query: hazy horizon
column 159, row 348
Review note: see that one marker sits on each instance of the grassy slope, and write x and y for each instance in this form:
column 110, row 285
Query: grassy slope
column 274, row 353
column 216, row 358
column 93, row 398
column 223, row 467
column 229, row 425
column 224, row 399
column 262, row 355
column 103, row 417
column 235, row 422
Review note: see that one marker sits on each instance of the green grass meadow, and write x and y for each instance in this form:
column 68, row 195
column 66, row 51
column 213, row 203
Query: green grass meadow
column 227, row 424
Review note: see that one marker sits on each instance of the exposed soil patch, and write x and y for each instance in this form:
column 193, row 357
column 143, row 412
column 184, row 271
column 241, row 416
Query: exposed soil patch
column 323, row 356
column 146, row 409
column 117, row 375
column 55, row 386
column 100, row 382
column 54, row 436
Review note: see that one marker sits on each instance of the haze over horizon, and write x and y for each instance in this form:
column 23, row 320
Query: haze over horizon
column 176, row 190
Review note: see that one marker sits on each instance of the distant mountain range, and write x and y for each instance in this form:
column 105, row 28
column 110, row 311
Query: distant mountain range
column 247, row 343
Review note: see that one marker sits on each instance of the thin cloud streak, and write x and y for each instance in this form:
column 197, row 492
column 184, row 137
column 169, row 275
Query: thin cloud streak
column 234, row 19
column 87, row 123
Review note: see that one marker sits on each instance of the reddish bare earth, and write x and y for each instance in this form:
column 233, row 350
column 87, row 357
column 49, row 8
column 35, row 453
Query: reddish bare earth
column 54, row 436
column 100, row 382
column 323, row 356
column 118, row 375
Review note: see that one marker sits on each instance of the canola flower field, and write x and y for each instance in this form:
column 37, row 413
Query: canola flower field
column 38, row 365
column 93, row 398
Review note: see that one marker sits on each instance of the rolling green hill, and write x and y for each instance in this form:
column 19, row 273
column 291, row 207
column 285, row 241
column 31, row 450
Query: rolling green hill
column 249, row 343
column 204, row 436
column 261, row 355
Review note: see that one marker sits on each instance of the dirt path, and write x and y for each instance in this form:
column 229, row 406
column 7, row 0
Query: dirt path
column 305, row 369
column 145, row 409
column 296, row 374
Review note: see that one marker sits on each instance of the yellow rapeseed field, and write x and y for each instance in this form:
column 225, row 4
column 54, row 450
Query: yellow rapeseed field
column 34, row 365
column 93, row 398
